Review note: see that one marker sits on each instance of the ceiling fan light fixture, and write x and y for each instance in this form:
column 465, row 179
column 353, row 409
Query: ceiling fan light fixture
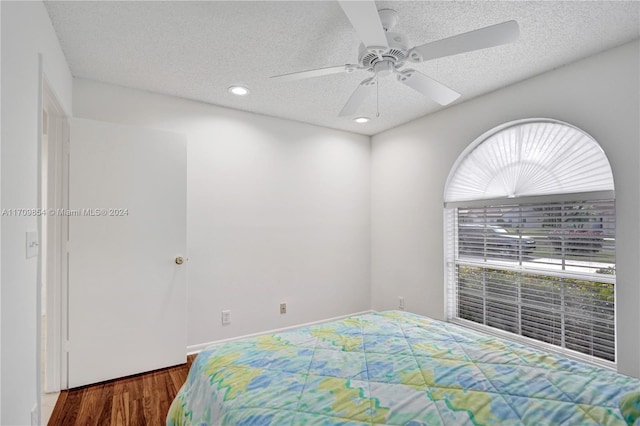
column 362, row 120
column 239, row 90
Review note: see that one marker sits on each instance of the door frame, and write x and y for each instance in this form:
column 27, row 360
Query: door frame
column 55, row 123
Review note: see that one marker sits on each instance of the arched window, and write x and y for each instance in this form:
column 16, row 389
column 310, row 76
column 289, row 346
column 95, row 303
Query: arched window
column 530, row 220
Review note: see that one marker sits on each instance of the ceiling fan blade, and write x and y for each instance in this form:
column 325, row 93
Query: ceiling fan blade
column 491, row 36
column 364, row 17
column 359, row 95
column 316, row 73
column 428, row 86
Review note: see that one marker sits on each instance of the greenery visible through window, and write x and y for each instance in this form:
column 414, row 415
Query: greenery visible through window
column 540, row 270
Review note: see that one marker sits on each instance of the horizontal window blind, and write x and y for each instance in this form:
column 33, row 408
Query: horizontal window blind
column 545, row 271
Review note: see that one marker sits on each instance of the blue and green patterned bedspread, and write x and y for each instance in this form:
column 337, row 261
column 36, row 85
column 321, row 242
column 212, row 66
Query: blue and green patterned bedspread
column 393, row 368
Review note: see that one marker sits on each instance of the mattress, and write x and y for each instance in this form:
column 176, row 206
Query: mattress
column 394, row 368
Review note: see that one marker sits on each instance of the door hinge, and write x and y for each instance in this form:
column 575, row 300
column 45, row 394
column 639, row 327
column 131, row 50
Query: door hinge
column 67, row 346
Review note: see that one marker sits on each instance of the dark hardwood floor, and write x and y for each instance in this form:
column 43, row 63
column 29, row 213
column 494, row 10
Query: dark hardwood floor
column 138, row 400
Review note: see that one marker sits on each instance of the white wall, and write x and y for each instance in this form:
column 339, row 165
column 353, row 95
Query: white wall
column 410, row 165
column 277, row 211
column 26, row 32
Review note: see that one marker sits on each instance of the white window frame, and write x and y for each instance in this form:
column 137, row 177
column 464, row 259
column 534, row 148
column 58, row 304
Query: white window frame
column 450, row 246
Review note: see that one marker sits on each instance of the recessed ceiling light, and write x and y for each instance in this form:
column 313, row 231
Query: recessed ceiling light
column 239, row 90
column 362, row 119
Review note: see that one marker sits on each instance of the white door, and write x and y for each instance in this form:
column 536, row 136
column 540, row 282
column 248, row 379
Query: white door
column 127, row 294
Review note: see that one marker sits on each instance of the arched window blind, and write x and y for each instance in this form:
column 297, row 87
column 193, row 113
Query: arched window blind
column 529, row 158
column 530, row 231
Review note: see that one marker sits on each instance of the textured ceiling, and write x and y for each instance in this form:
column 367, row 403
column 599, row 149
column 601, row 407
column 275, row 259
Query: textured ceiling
column 196, row 50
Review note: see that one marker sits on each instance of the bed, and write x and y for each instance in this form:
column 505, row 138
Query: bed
column 396, row 368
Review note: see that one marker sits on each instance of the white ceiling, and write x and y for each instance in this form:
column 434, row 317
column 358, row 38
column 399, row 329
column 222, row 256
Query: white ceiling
column 196, row 50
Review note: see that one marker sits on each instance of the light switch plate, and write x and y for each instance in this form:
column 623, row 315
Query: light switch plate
column 32, row 244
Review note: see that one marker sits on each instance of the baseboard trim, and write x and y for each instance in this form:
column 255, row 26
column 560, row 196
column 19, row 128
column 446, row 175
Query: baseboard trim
column 194, row 349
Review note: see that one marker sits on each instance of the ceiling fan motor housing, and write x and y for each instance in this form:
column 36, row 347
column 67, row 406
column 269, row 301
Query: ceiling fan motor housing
column 396, row 53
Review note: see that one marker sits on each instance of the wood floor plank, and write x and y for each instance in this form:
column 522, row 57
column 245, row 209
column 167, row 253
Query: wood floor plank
column 165, row 389
column 104, row 417
column 149, row 404
column 57, row 409
column 120, row 407
column 136, row 415
column 139, row 400
column 91, row 405
column 72, row 405
column 176, row 380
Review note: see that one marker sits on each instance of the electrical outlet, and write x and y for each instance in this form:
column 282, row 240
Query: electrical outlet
column 401, row 303
column 226, row 317
column 283, row 308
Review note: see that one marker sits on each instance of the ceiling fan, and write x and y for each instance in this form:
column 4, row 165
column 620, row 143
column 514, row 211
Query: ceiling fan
column 384, row 53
